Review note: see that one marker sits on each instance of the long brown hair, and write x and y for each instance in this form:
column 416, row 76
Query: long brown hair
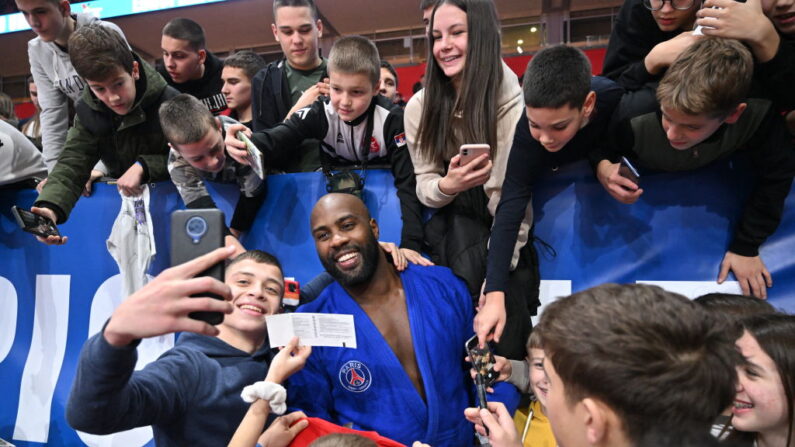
column 775, row 334
column 440, row 131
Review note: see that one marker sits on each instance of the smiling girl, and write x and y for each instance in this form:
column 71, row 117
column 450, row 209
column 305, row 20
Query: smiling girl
column 471, row 97
column 763, row 408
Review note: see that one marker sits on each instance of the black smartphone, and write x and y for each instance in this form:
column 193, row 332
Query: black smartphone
column 195, row 233
column 34, row 223
column 628, row 171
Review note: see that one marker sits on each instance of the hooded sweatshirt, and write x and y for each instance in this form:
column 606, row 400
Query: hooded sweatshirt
column 57, row 83
column 21, row 159
column 206, row 89
column 190, row 395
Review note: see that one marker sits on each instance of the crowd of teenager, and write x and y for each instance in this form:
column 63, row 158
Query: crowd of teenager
column 685, row 84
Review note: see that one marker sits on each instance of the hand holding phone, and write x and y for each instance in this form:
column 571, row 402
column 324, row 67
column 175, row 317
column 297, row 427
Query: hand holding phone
column 619, row 187
column 41, row 222
column 462, row 173
column 193, row 234
column 699, row 29
column 482, row 360
column 34, row 223
column 254, row 155
column 162, row 306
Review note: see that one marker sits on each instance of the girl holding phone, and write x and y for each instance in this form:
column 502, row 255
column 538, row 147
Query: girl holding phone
column 470, row 97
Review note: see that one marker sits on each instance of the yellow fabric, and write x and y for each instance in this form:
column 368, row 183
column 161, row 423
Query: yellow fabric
column 540, row 432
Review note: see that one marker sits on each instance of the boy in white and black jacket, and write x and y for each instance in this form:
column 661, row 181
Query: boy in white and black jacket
column 357, row 126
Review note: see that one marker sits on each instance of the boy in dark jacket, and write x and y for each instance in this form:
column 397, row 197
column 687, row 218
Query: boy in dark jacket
column 704, row 116
column 188, row 66
column 294, row 82
column 116, row 122
column 566, row 119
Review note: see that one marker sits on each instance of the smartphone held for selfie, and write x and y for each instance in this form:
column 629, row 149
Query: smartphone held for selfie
column 470, row 152
column 193, row 234
column 628, row 171
column 34, row 223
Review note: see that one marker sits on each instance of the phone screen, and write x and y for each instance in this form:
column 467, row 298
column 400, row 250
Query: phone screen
column 34, row 223
column 482, row 360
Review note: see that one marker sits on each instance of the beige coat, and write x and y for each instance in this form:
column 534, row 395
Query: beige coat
column 509, row 110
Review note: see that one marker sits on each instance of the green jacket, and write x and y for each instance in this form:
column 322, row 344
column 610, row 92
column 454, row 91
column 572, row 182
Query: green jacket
column 119, row 141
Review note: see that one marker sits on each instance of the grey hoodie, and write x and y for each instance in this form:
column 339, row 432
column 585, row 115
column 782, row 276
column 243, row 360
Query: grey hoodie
column 21, row 159
column 58, row 83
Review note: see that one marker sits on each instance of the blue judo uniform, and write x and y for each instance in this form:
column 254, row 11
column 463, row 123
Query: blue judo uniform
column 368, row 386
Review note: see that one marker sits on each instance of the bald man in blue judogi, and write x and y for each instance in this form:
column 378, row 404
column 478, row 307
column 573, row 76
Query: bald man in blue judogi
column 407, row 379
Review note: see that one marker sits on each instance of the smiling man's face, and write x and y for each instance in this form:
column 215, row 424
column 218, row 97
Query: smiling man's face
column 346, row 238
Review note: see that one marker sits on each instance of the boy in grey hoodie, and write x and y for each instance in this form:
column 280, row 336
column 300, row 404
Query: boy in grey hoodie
column 57, row 81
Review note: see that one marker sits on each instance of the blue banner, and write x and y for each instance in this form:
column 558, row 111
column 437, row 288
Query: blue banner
column 53, row 298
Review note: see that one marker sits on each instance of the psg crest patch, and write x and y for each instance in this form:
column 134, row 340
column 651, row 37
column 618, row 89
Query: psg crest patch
column 355, row 377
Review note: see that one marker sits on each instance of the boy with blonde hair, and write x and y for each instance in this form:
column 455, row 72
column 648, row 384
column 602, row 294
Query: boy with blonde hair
column 704, row 116
column 528, row 375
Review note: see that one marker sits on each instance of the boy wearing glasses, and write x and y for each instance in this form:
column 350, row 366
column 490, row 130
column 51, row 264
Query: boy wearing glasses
column 646, row 38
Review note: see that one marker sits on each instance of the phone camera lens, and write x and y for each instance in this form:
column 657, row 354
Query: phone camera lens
column 196, row 227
